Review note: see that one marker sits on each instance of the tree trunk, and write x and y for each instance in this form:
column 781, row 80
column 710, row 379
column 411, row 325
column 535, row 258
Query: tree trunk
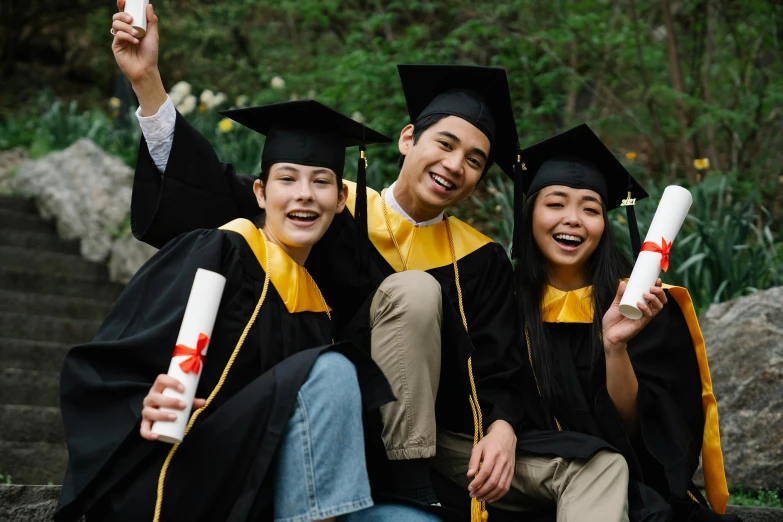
column 686, row 152
column 712, row 150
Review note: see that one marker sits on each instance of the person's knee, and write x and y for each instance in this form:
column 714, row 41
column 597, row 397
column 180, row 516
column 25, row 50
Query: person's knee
column 333, row 377
column 417, row 293
column 612, row 465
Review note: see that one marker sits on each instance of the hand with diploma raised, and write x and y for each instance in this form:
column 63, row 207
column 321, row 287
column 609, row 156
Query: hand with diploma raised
column 155, row 400
column 138, row 58
column 618, row 329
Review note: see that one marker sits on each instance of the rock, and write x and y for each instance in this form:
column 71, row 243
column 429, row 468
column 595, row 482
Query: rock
column 9, row 160
column 744, row 340
column 85, row 189
column 127, row 256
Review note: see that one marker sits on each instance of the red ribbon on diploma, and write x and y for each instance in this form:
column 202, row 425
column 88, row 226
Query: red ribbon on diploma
column 663, row 249
column 193, row 363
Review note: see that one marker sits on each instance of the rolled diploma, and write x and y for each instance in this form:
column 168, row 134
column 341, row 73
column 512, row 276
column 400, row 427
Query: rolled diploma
column 138, row 10
column 200, row 314
column 666, row 224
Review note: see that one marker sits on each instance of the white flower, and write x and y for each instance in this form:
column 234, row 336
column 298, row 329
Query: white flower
column 277, row 83
column 357, row 116
column 187, row 105
column 219, row 99
column 241, row 101
column 294, row 97
column 206, row 97
column 312, row 94
column 211, row 100
column 179, row 92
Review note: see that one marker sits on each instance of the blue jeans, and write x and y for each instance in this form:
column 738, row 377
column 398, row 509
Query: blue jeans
column 321, row 470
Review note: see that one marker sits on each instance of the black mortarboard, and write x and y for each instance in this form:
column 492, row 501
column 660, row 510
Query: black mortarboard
column 306, row 132
column 478, row 95
column 577, row 158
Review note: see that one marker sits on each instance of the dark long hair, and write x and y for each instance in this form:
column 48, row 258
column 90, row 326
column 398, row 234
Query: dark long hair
column 605, row 268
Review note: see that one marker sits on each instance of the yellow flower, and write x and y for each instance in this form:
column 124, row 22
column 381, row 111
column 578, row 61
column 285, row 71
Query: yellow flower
column 701, row 164
column 225, row 125
column 621, row 219
column 115, row 103
column 630, row 156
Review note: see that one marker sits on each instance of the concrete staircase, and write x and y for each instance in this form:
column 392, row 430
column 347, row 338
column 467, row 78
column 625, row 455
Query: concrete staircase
column 50, row 299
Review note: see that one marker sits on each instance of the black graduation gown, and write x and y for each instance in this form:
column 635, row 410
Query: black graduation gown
column 221, row 469
column 677, row 411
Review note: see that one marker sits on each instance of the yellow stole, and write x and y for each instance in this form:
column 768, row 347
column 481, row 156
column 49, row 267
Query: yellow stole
column 423, row 248
column 292, row 281
column 576, row 307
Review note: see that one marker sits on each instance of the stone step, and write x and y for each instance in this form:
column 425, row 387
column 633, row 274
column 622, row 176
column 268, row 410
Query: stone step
column 21, row 503
column 20, row 221
column 28, row 503
column 24, row 354
column 17, row 204
column 47, row 328
column 29, row 387
column 45, row 283
column 34, row 462
column 53, row 305
column 48, row 242
column 51, row 262
column 20, row 423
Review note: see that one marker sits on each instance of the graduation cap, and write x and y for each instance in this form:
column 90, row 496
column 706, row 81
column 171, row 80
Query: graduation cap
column 577, row 158
column 307, row 132
column 478, row 95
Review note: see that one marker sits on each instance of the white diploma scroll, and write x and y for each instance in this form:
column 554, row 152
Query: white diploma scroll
column 187, row 362
column 138, row 10
column 666, row 224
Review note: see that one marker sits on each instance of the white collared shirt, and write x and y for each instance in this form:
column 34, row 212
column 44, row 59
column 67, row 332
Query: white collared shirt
column 392, row 203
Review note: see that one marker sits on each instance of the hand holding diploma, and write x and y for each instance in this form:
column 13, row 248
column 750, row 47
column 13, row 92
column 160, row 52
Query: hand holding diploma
column 168, row 404
column 155, row 400
column 138, row 57
column 619, row 329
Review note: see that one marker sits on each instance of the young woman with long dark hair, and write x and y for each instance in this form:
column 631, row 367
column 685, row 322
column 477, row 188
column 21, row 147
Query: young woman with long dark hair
column 640, row 386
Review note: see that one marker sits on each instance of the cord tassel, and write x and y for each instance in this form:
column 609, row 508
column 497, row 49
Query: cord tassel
column 633, row 228
column 519, row 203
column 360, row 213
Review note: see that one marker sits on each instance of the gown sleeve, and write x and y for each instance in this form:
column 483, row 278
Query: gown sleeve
column 497, row 362
column 671, row 418
column 103, row 382
column 196, row 191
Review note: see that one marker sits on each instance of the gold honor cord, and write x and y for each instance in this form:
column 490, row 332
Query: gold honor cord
column 391, row 234
column 223, row 376
column 478, row 510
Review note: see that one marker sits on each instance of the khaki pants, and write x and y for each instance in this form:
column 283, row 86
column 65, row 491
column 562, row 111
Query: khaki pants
column 405, row 317
column 594, row 490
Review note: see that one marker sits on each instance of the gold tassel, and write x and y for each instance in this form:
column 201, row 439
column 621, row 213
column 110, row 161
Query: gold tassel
column 478, row 513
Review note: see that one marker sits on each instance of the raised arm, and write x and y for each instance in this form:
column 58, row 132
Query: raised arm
column 180, row 184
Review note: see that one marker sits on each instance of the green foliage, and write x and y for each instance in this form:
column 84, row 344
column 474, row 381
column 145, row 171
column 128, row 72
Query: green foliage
column 52, row 124
column 760, row 498
column 5, row 479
